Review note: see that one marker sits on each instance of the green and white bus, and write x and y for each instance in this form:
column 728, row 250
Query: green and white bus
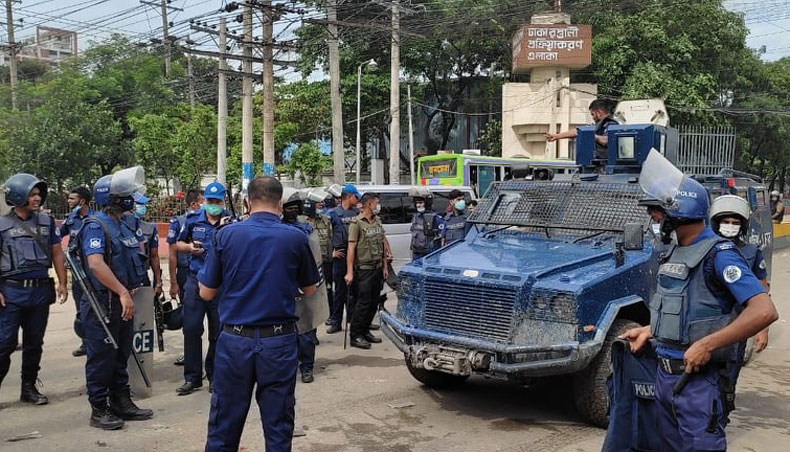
column 479, row 172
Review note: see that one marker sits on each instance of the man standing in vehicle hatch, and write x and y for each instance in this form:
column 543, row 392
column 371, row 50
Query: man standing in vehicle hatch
column 700, row 283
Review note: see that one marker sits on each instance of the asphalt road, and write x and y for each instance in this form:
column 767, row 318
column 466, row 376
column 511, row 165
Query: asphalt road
column 367, row 401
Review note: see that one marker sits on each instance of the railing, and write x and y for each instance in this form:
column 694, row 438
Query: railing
column 705, row 150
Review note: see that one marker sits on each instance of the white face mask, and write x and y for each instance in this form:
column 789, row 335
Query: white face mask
column 729, row 230
column 421, row 209
column 656, row 228
column 377, row 209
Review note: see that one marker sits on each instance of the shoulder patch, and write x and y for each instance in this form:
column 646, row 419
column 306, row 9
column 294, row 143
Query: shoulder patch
column 731, row 274
column 725, row 246
column 171, row 234
column 94, row 244
column 94, row 225
column 173, row 220
column 762, row 264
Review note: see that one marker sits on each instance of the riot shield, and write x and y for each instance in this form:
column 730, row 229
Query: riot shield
column 660, row 179
column 143, row 342
column 313, row 310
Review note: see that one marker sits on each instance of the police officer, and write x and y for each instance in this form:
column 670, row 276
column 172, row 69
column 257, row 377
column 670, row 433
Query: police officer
column 178, row 263
column 700, row 283
column 197, row 237
column 29, row 246
column 322, row 224
column 261, row 266
column 777, row 207
column 454, row 227
column 426, row 225
column 729, row 217
column 601, row 113
column 78, row 202
column 368, row 250
column 344, row 295
column 149, row 237
column 110, row 255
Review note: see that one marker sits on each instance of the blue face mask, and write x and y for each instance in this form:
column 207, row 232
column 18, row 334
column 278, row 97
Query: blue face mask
column 76, row 209
column 214, row 210
column 140, row 210
column 460, row 205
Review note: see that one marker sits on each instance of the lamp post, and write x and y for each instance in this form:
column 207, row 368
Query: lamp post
column 371, row 64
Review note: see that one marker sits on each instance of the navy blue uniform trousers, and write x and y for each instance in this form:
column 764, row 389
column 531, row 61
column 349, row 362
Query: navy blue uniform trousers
column 195, row 309
column 105, row 368
column 692, row 420
column 307, row 350
column 28, row 309
column 267, row 365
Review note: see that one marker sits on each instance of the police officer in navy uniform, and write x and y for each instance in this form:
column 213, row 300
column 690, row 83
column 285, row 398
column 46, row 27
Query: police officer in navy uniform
column 454, row 226
column 601, row 113
column 261, row 266
column 29, row 246
column 110, row 254
column 344, row 295
column 426, row 225
column 729, row 217
column 78, row 201
column 149, row 237
column 196, row 238
column 700, row 283
column 322, row 224
column 178, row 263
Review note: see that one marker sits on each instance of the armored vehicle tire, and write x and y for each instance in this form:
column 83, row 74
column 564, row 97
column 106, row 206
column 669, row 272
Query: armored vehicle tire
column 590, row 391
column 434, row 379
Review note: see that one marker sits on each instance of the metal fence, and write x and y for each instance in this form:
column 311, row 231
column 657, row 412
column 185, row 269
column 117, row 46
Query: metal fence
column 705, row 149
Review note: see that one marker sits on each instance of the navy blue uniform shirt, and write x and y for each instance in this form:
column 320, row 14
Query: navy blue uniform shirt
column 73, row 223
column 732, row 270
column 50, row 230
column 260, row 264
column 197, row 228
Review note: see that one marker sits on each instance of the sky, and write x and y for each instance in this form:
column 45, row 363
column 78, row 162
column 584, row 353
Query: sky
column 768, row 21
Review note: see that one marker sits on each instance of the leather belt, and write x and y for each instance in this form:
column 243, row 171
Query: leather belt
column 260, row 331
column 29, row 283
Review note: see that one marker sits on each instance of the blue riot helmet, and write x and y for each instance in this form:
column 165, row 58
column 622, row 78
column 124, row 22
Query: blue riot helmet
column 18, row 187
column 124, row 184
column 691, row 201
column 101, row 191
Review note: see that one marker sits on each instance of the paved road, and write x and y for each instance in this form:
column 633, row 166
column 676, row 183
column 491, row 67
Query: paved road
column 366, row 401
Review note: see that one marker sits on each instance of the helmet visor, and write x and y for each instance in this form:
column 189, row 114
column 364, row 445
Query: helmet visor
column 127, row 181
column 660, row 179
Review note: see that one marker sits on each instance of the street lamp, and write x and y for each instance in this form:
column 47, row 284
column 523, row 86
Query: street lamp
column 372, row 65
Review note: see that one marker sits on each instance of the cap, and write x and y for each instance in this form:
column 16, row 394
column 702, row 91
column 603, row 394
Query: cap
column 140, row 198
column 351, row 190
column 214, row 190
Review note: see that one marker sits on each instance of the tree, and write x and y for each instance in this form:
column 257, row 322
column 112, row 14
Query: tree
column 195, row 141
column 154, row 142
column 308, row 163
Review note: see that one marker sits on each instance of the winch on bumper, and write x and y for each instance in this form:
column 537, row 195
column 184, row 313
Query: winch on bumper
column 457, row 355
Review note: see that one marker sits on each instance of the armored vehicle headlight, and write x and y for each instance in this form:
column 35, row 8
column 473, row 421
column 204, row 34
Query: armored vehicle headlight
column 540, row 302
column 563, row 306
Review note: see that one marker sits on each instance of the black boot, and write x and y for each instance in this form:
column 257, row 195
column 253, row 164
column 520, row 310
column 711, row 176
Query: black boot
column 122, row 406
column 102, row 417
column 30, row 394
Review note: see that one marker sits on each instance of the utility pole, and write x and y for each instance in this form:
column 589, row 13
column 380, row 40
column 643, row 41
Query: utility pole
column 222, row 105
column 395, row 96
column 268, row 89
column 338, row 157
column 191, row 79
column 246, row 105
column 411, row 140
column 166, row 38
column 9, row 18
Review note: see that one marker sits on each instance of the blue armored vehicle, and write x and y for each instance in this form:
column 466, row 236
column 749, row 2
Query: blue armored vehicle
column 550, row 273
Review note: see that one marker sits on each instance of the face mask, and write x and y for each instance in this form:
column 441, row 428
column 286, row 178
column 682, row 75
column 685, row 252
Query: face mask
column 421, row 209
column 290, row 216
column 76, row 209
column 460, row 205
column 656, row 229
column 140, row 210
column 729, row 230
column 377, row 209
column 213, row 209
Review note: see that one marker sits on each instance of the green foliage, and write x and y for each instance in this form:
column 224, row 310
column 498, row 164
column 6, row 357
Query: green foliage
column 195, row 141
column 308, row 163
column 491, row 138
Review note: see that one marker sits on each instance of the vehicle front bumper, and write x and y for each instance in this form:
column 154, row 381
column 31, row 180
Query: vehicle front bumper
column 511, row 361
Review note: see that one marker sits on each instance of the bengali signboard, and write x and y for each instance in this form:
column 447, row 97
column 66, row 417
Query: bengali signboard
column 552, row 45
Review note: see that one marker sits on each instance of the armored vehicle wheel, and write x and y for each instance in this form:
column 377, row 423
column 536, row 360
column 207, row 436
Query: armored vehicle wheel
column 590, row 391
column 434, row 379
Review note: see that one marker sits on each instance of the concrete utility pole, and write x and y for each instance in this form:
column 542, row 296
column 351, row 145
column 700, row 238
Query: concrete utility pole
column 166, row 38
column 411, row 139
column 395, row 96
column 191, row 80
column 222, row 105
column 9, row 18
column 338, row 157
column 246, row 104
column 268, row 89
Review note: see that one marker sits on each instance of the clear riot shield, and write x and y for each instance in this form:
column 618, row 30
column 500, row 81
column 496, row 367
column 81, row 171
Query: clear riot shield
column 313, row 310
column 127, row 181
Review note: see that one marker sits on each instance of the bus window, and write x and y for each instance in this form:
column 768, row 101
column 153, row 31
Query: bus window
column 391, row 208
column 430, row 169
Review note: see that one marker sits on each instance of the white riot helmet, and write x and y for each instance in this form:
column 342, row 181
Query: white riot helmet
column 775, row 194
column 729, row 206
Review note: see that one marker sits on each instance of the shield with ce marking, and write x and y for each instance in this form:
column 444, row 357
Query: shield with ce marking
column 143, row 341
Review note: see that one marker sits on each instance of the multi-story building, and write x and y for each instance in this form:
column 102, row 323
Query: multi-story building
column 51, row 45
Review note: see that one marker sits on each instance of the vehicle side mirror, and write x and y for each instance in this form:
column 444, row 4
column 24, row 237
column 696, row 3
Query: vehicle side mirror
column 634, row 236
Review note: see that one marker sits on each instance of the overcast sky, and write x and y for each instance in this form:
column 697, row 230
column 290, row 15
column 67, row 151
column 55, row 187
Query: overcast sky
column 768, row 21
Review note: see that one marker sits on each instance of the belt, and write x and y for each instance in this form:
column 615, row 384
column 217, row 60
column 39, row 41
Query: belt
column 375, row 266
column 671, row 366
column 260, row 331
column 28, row 283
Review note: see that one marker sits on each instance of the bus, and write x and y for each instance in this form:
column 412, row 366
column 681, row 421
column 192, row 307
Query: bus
column 479, row 172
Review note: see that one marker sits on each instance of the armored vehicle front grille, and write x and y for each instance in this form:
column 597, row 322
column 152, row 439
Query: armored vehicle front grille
column 472, row 310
